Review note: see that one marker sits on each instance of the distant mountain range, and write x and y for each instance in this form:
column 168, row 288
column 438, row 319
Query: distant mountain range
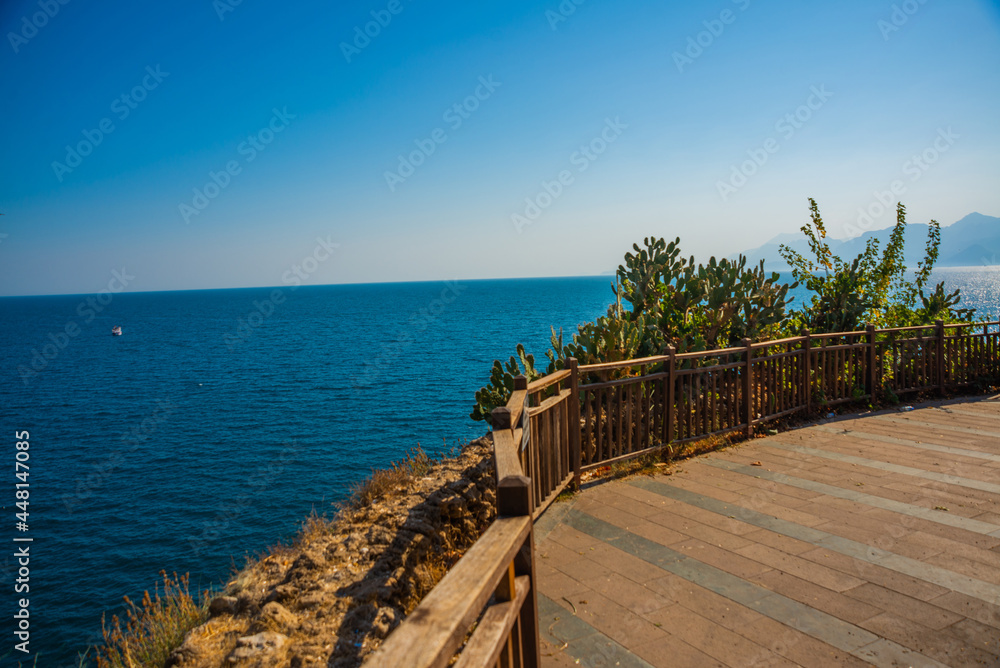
column 972, row 241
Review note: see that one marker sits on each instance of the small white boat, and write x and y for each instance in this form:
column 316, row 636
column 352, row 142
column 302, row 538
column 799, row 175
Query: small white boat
column 116, row 330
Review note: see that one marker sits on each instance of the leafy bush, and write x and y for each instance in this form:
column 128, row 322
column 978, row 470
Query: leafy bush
column 872, row 288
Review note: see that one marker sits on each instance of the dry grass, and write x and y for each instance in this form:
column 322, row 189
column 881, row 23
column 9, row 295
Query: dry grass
column 153, row 628
column 383, row 482
column 314, row 527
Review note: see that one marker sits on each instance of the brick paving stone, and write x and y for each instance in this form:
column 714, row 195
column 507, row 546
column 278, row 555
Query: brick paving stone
column 975, row 634
column 943, row 646
column 779, row 541
column 716, row 607
column 615, row 516
column 959, row 537
column 687, row 515
column 974, row 568
column 555, row 656
column 948, row 493
column 869, row 433
column 628, row 593
column 626, row 564
column 991, row 517
column 583, row 570
column 801, row 648
column 833, row 603
column 904, row 584
column 660, row 532
column 610, row 496
column 807, row 570
column 687, row 528
column 686, row 482
column 572, row 539
column 908, row 448
column 928, row 614
column 721, row 558
column 951, row 548
column 557, row 584
column 715, row 640
column 874, row 537
column 671, row 652
column 556, row 555
column 613, row 620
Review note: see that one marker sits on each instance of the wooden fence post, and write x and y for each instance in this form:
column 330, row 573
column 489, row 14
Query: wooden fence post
column 807, row 365
column 501, row 418
column 514, row 499
column 574, row 419
column 940, row 357
column 748, row 387
column 669, row 410
column 870, row 375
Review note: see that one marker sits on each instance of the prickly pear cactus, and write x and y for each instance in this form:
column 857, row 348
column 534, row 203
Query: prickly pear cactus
column 501, row 386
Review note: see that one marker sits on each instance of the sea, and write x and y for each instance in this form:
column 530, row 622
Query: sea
column 220, row 419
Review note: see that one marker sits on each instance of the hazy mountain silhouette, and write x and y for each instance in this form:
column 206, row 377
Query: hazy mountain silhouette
column 972, row 241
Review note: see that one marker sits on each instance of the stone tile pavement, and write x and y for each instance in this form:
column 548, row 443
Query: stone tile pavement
column 864, row 540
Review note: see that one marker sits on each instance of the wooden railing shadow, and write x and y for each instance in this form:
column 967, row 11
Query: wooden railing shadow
column 408, row 550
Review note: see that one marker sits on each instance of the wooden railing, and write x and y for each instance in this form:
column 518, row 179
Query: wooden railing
column 485, row 611
column 629, row 408
column 545, row 417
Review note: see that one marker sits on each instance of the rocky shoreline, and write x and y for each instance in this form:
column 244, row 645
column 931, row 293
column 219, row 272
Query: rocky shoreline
column 333, row 598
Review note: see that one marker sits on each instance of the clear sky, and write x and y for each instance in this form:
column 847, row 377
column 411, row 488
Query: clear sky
column 202, row 144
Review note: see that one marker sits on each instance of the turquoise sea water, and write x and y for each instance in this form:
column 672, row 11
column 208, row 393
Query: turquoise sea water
column 220, row 419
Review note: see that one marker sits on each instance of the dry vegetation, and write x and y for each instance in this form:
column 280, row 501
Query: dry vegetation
column 153, row 628
column 336, row 592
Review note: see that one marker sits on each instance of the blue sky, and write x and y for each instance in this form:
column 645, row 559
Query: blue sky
column 597, row 124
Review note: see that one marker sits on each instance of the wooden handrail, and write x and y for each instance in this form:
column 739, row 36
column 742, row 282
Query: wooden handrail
column 490, row 639
column 549, row 403
column 791, row 339
column 546, row 381
column 710, row 353
column 609, row 366
column 435, row 630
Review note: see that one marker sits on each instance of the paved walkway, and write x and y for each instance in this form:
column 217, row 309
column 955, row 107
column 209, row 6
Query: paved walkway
column 861, row 541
